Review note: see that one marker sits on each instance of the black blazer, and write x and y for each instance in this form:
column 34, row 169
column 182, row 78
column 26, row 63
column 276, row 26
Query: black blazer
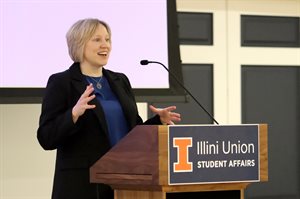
column 80, row 145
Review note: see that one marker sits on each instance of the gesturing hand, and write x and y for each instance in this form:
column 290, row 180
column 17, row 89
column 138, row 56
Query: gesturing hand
column 82, row 103
column 166, row 115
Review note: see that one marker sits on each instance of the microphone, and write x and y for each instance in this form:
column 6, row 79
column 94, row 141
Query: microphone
column 146, row 62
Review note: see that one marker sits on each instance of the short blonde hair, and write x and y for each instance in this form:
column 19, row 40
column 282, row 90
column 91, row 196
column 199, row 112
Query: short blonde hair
column 78, row 35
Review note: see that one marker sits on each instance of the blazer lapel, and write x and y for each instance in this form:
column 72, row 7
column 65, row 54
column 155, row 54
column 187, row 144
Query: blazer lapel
column 80, row 84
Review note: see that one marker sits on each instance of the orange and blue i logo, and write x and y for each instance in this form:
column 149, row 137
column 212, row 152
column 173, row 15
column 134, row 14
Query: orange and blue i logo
column 183, row 144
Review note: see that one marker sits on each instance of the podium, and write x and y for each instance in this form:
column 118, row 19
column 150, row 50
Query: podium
column 139, row 167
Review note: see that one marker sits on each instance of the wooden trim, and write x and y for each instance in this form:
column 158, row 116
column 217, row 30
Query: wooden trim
column 263, row 136
column 242, row 196
column 126, row 194
column 205, row 187
column 163, row 154
column 109, row 176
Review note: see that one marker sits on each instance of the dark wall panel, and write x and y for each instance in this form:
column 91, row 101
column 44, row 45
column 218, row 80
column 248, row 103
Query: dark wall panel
column 272, row 95
column 198, row 79
column 268, row 31
column 195, row 28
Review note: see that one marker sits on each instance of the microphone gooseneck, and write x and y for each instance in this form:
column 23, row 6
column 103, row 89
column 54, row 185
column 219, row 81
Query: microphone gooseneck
column 146, row 62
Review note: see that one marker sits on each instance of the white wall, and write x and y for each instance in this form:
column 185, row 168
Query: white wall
column 26, row 170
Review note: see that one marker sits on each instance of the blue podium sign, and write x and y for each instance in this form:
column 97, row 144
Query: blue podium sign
column 213, row 154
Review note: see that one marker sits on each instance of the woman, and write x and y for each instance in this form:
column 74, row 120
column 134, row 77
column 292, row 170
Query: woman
column 86, row 110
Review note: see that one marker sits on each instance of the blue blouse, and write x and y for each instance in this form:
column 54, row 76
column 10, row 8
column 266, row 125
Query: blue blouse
column 114, row 115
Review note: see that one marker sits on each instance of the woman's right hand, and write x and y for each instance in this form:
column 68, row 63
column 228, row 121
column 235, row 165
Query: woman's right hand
column 82, row 104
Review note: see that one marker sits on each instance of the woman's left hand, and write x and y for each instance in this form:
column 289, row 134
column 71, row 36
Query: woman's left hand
column 166, row 115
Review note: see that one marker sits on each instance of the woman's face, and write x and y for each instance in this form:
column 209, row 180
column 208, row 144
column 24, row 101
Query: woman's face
column 97, row 49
